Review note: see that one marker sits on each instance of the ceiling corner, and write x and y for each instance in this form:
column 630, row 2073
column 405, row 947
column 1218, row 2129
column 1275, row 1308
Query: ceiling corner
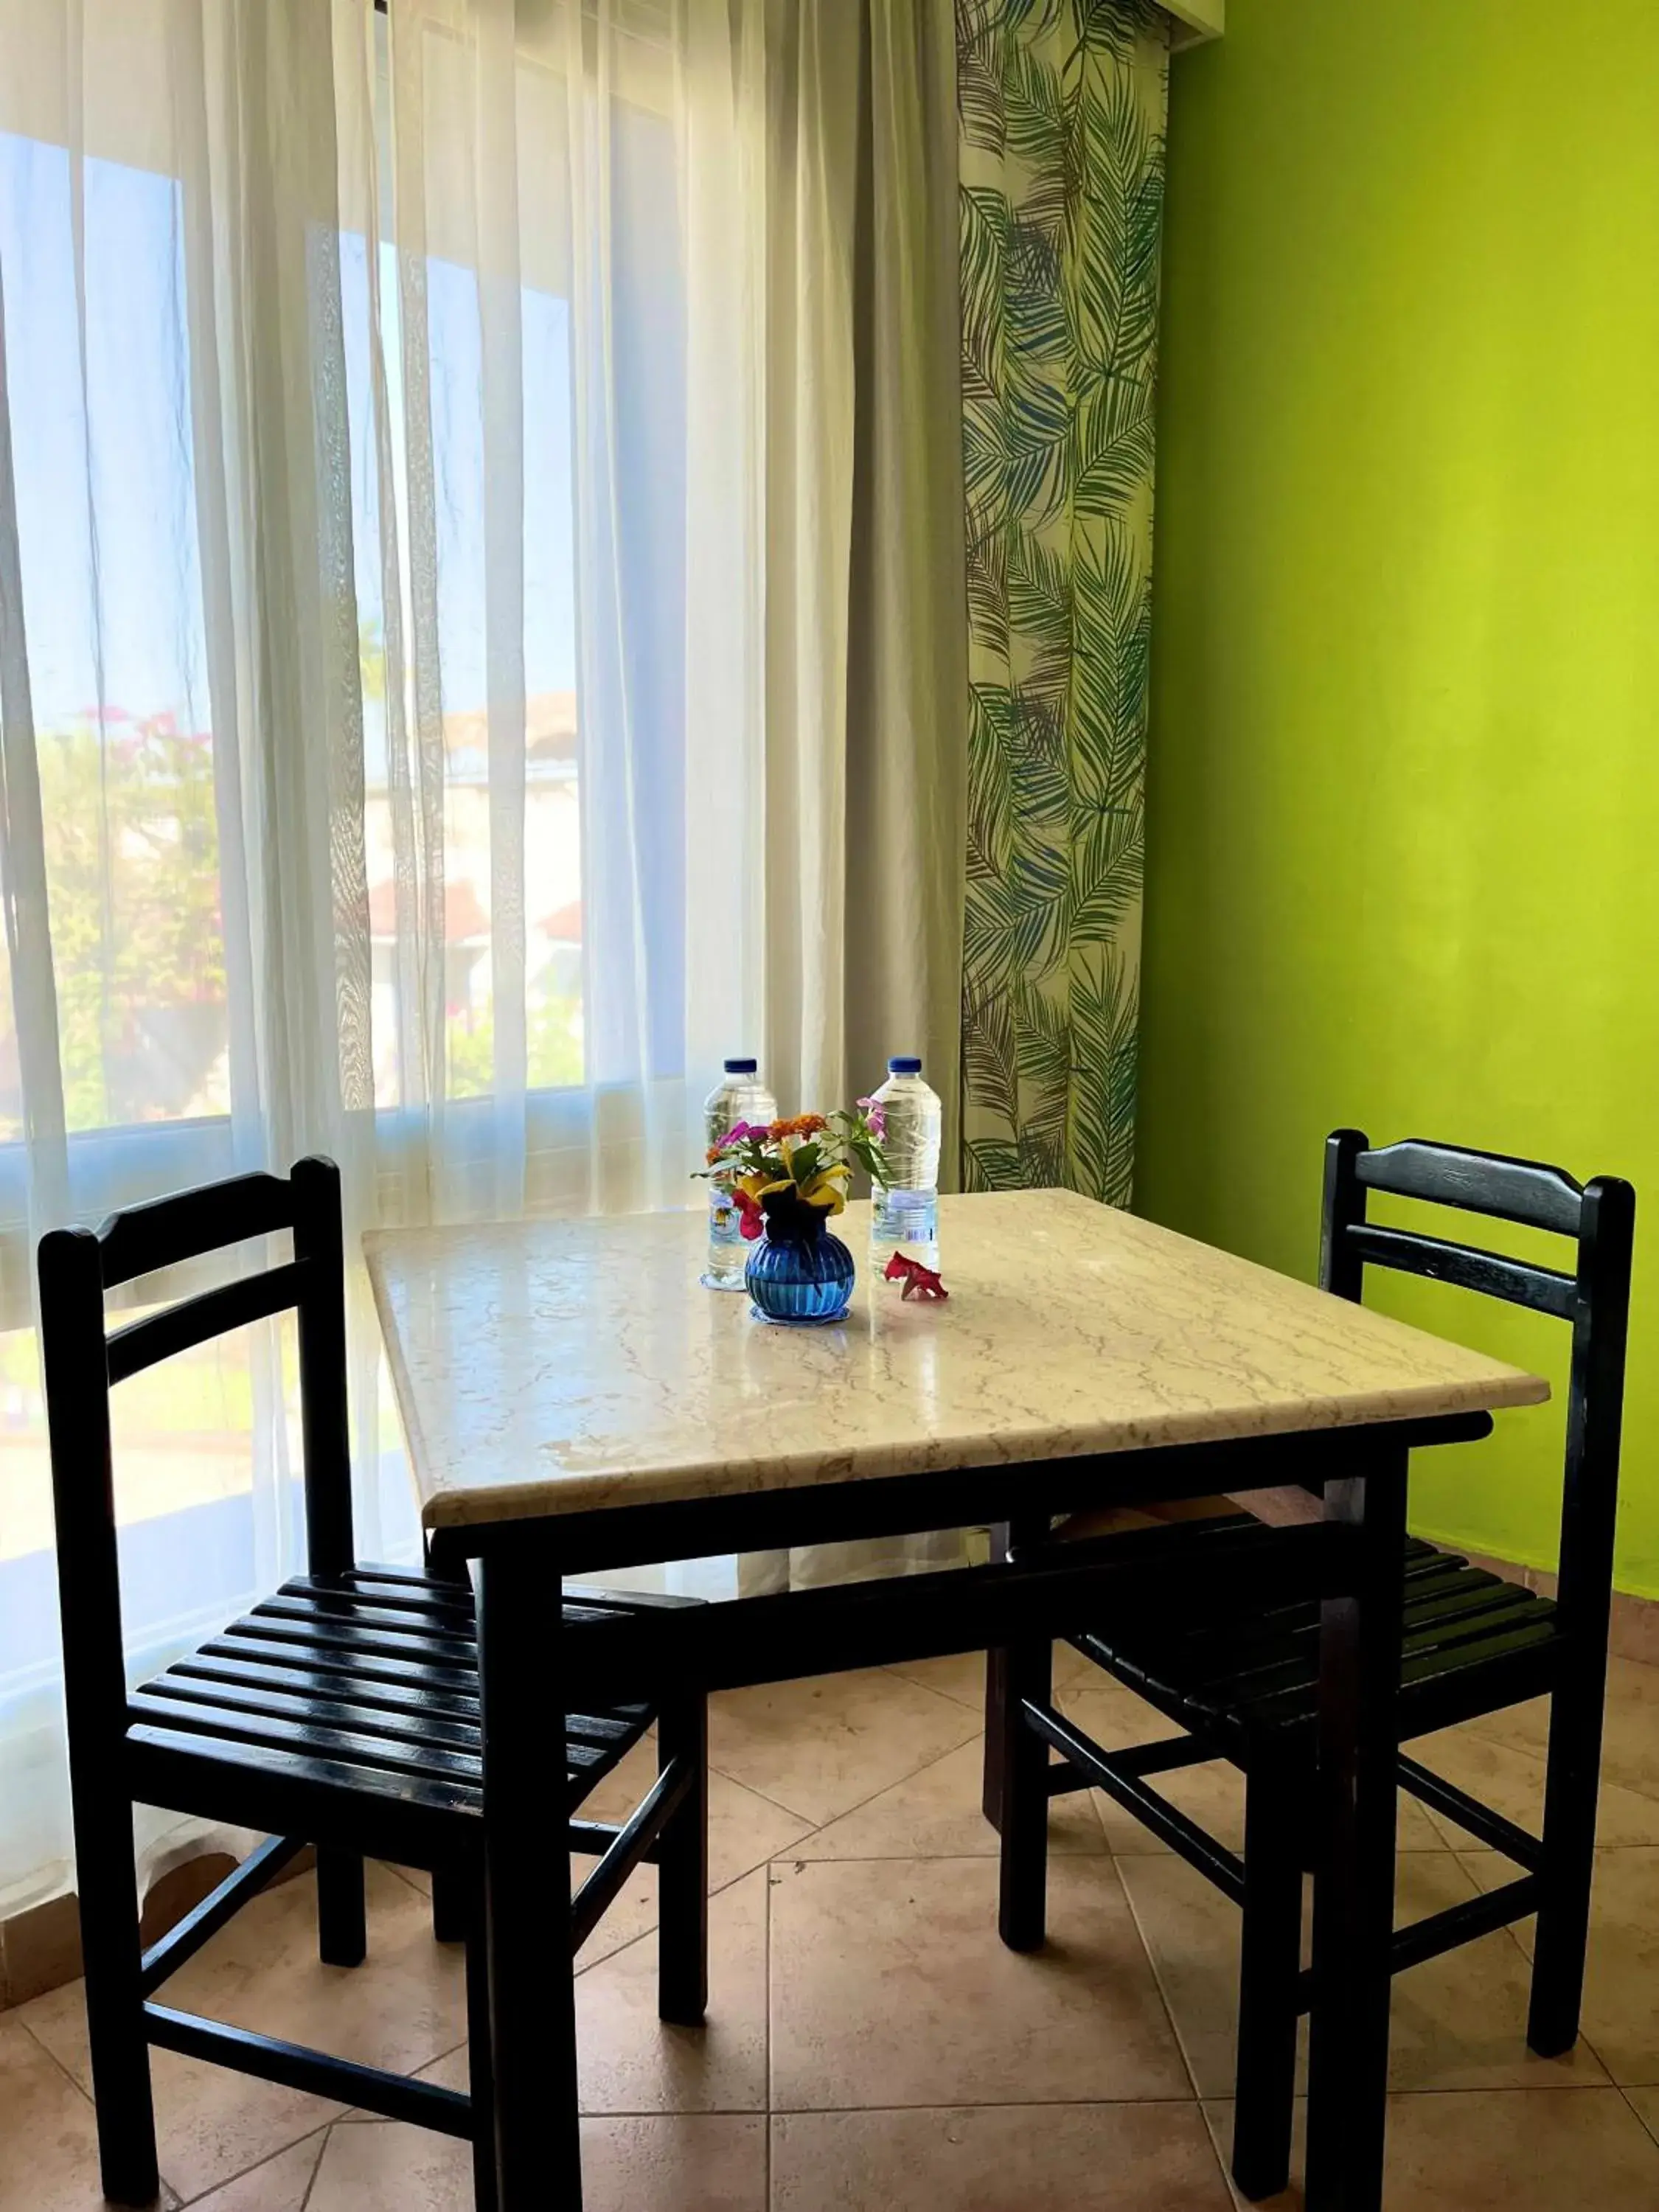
column 1196, row 22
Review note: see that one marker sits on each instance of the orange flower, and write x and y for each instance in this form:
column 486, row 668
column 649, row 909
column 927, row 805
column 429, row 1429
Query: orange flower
column 800, row 1125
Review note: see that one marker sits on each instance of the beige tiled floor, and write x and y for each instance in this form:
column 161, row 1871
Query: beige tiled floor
column 871, row 2047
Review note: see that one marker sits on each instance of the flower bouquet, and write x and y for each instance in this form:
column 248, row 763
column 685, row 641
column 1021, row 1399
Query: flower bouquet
column 787, row 1179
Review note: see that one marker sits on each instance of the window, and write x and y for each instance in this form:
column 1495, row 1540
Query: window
column 351, row 513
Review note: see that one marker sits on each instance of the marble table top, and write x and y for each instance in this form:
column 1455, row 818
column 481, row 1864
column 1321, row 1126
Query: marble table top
column 557, row 1366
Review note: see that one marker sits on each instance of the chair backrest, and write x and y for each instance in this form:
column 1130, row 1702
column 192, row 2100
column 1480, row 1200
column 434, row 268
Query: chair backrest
column 83, row 1361
column 1599, row 1217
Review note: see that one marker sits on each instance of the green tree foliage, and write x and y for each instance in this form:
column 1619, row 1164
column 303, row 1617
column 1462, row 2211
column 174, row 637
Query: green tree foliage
column 1062, row 106
column 553, row 1049
column 132, row 873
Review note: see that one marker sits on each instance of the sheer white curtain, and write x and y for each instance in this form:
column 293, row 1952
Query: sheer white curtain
column 480, row 638
column 179, row 707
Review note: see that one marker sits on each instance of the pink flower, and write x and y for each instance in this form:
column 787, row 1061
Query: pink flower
column 740, row 1130
column 876, row 1114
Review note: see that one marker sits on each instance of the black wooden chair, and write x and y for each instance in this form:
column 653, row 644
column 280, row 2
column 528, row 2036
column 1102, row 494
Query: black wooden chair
column 342, row 1712
column 1243, row 1681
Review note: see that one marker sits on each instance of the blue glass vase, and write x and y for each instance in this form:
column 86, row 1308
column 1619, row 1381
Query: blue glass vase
column 799, row 1271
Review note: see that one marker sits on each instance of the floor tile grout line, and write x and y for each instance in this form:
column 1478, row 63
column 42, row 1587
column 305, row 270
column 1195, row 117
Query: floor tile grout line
column 51, row 2057
column 310, row 2186
column 1055, row 2104
column 1541, row 1759
column 317, row 2167
column 1642, row 2121
column 1144, row 1941
column 402, row 1873
column 910, row 1775
column 958, row 1705
column 925, row 1858
column 776, row 1804
column 269, row 2158
column 859, row 1804
column 968, row 1705
column 952, row 2105
column 646, row 1934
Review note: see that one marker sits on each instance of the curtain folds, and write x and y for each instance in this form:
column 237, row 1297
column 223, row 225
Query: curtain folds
column 481, row 635
column 866, row 622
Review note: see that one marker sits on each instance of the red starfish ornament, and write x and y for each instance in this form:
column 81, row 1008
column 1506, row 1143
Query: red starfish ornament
column 919, row 1282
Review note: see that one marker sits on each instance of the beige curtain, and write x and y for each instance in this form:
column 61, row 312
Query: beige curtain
column 865, row 614
column 866, row 624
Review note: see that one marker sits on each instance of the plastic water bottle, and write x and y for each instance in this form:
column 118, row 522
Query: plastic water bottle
column 740, row 1096
column 905, row 1219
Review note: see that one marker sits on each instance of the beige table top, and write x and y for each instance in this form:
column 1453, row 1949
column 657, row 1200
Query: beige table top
column 557, row 1366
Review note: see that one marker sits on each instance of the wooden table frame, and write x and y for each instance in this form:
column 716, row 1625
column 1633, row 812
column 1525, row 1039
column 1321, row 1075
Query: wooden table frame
column 530, row 1663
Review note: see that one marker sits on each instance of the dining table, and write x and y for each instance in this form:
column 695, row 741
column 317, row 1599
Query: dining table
column 575, row 1403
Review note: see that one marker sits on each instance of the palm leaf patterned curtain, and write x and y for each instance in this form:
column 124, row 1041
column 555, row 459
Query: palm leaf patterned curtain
column 1062, row 110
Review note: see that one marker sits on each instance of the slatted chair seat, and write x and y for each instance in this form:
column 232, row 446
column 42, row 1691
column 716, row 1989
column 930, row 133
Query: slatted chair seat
column 371, row 1680
column 1249, row 1678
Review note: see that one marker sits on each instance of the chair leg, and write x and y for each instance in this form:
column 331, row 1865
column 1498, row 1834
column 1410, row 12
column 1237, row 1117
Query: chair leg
column 996, row 1737
column 1268, row 1975
column 683, row 1868
column 1000, row 1713
column 1567, row 1866
column 451, row 1910
column 342, row 1928
column 452, row 1897
column 469, row 1897
column 1022, row 1915
column 532, row 2005
column 115, row 2010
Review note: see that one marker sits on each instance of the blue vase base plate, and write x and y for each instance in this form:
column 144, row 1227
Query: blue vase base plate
column 798, row 1321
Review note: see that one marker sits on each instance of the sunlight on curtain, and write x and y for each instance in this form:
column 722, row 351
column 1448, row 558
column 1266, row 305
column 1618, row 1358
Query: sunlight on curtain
column 451, row 692
column 347, row 452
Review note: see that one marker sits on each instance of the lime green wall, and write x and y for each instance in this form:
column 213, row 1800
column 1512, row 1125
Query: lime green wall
column 1403, row 799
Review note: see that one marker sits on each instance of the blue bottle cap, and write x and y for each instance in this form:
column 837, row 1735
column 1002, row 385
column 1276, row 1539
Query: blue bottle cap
column 742, row 1066
column 904, row 1063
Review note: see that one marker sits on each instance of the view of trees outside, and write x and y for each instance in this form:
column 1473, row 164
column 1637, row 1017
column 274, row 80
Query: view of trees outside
column 132, row 873
column 553, row 912
column 112, row 618
column 183, row 1438
column 132, row 878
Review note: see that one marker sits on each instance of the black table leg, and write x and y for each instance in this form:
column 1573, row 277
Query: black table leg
column 1027, row 1672
column 1354, row 1893
column 1002, row 1726
column 527, row 1877
column 997, row 1720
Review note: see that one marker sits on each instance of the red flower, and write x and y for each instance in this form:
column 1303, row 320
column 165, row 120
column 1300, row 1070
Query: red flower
column 752, row 1222
column 919, row 1282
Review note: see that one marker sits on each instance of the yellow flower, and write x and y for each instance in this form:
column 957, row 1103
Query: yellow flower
column 825, row 1190
column 757, row 1186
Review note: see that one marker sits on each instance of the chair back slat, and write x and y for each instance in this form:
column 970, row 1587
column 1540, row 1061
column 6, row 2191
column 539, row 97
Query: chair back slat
column 1523, row 1191
column 325, row 1434
column 193, row 1320
column 1544, row 1289
column 141, row 1239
